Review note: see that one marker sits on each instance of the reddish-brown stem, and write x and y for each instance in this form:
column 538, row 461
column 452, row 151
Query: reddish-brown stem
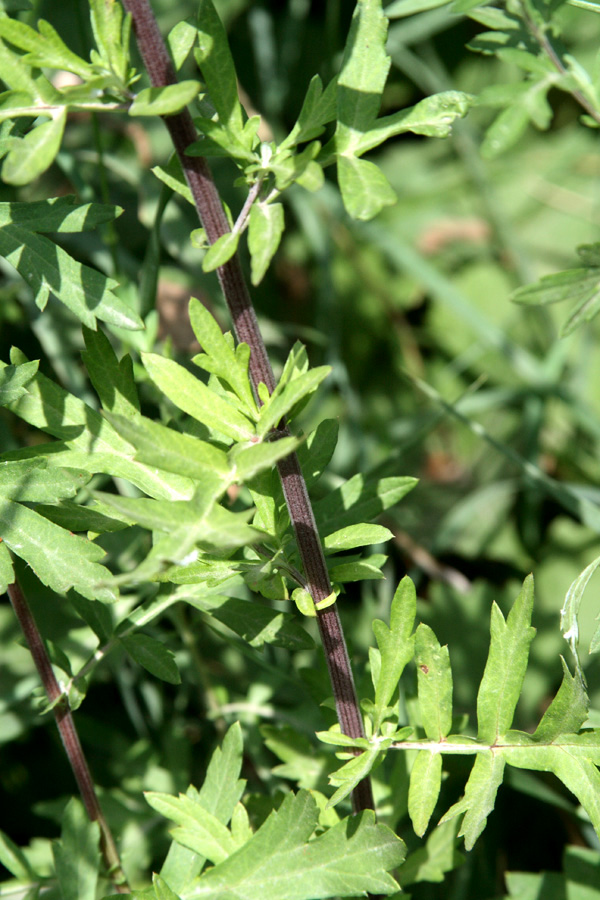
column 212, row 216
column 68, row 734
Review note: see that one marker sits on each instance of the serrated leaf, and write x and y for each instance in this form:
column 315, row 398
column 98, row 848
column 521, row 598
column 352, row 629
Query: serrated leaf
column 356, row 536
column 479, row 797
column 61, row 214
column 434, row 684
column 199, row 829
column 153, row 656
column 193, row 397
column 365, row 189
column 424, row 790
column 218, row 795
column 77, row 854
column 284, row 399
column 506, row 664
column 396, row 644
column 221, row 251
column 59, row 559
column 32, row 481
column 280, row 861
column 31, row 155
column 266, row 226
column 46, row 268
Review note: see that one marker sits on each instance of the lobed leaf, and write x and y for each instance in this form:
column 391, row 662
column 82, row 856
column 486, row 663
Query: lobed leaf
column 193, row 397
column 505, row 668
column 396, row 645
column 434, row 684
column 350, row 858
column 46, row 268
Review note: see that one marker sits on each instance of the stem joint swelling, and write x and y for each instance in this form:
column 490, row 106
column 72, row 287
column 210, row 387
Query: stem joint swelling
column 212, row 218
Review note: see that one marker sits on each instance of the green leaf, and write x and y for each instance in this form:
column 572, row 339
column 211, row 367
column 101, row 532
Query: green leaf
column 255, row 622
column 365, row 189
column 249, row 461
column 218, row 795
column 280, row 861
column 352, row 773
column 28, row 157
column 113, row 380
column 162, row 889
column 432, row 117
column 479, row 797
column 356, row 536
column 174, row 178
column 162, row 447
column 164, row 101
column 266, row 226
column 502, row 680
column 363, row 75
column 318, row 108
column 361, row 570
column 14, row 379
column 13, row 859
column 579, row 285
column 434, row 684
column 47, row 268
column 29, row 480
column 111, row 33
column 285, row 398
column 199, row 830
column 216, row 64
column 77, row 854
column 45, row 48
column 220, row 357
column 360, row 499
column 396, row 644
column 221, row 251
column 196, row 399
column 424, row 790
column 315, row 453
column 59, row 559
column 568, row 710
column 431, row 861
column 180, row 41
column 153, row 656
column 7, row 576
column 62, row 214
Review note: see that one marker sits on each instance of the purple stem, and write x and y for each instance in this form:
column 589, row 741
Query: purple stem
column 212, row 216
column 68, row 734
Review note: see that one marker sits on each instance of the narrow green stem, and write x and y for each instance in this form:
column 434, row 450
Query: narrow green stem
column 69, row 735
column 212, row 216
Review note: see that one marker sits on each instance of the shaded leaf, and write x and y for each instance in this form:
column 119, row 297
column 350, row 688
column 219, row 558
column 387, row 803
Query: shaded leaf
column 77, row 854
column 153, row 656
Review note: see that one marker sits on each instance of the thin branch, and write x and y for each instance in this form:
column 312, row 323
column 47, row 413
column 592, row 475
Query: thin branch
column 210, row 211
column 69, row 736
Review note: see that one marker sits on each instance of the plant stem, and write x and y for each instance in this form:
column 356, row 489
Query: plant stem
column 68, row 734
column 212, row 217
